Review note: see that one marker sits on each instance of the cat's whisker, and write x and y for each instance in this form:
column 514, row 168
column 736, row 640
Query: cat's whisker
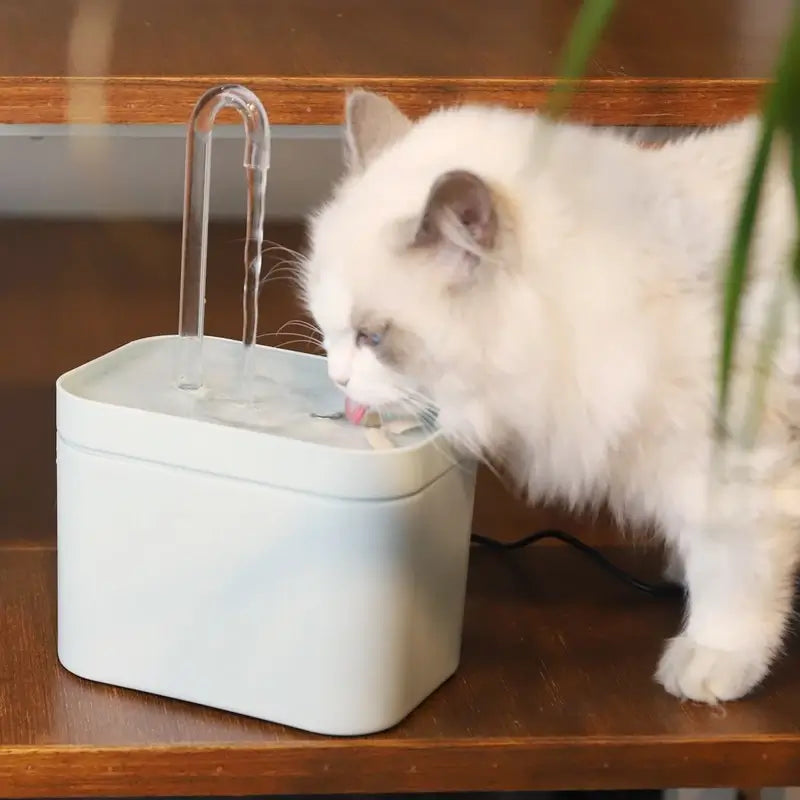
column 425, row 403
column 293, row 262
column 298, row 328
column 282, row 272
column 295, row 337
column 287, row 345
column 291, row 333
column 273, row 279
column 422, row 407
column 278, row 248
column 305, row 326
column 280, row 266
column 289, row 258
column 293, row 257
column 295, row 328
column 272, row 247
column 449, row 454
column 473, row 451
column 303, row 322
column 300, row 323
column 308, row 342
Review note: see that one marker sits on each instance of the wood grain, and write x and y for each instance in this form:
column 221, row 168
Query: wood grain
column 684, row 62
column 554, row 691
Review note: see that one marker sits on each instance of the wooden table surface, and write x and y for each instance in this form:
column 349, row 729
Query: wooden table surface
column 682, row 62
column 554, row 688
column 554, row 691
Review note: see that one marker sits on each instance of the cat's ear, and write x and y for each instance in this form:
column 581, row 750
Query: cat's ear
column 460, row 215
column 372, row 123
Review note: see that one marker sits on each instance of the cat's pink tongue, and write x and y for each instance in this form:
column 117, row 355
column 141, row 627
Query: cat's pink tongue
column 354, row 412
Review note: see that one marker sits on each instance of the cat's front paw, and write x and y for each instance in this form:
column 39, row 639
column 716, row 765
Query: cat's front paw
column 692, row 671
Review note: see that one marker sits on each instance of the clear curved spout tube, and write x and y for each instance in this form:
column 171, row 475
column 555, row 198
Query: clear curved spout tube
column 195, row 222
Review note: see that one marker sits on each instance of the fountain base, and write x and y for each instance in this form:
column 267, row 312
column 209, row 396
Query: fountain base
column 250, row 556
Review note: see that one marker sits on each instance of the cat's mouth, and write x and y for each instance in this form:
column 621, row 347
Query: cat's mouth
column 354, row 412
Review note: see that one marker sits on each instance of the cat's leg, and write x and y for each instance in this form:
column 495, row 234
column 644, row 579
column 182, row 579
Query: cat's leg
column 740, row 591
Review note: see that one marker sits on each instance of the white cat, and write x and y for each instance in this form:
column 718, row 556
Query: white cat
column 555, row 292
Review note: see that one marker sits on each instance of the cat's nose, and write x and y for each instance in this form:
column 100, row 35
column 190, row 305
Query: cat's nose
column 340, row 380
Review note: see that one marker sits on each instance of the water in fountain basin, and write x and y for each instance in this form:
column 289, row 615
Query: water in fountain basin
column 287, row 388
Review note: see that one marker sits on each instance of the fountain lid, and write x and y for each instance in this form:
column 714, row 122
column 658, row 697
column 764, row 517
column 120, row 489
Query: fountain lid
column 124, row 404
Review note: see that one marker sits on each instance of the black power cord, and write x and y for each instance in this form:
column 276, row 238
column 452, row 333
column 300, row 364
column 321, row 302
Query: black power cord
column 662, row 589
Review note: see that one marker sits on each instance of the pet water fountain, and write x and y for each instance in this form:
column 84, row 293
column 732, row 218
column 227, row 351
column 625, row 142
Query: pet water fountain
column 226, row 538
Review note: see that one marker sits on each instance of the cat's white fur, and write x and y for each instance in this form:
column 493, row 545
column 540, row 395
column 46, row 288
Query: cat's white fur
column 582, row 346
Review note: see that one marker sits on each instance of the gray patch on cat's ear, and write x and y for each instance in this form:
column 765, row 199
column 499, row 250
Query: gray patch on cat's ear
column 372, row 123
column 460, row 210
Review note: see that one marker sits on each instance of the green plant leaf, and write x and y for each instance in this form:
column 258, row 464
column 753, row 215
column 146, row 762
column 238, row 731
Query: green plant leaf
column 773, row 326
column 780, row 113
column 737, row 271
column 584, row 35
column 794, row 143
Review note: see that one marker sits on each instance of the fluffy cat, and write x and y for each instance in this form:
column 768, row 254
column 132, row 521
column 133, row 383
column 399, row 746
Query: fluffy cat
column 555, row 292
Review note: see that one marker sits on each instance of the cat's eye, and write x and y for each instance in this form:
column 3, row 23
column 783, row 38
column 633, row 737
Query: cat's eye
column 368, row 338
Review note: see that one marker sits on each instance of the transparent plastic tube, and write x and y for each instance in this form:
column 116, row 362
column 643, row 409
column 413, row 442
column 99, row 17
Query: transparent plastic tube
column 195, row 224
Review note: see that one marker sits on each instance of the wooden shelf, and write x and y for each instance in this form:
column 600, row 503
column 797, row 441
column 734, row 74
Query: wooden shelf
column 147, row 61
column 554, row 689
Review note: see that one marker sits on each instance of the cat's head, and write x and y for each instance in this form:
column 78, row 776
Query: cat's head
column 412, row 257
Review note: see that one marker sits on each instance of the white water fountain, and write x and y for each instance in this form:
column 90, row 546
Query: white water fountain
column 220, row 541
